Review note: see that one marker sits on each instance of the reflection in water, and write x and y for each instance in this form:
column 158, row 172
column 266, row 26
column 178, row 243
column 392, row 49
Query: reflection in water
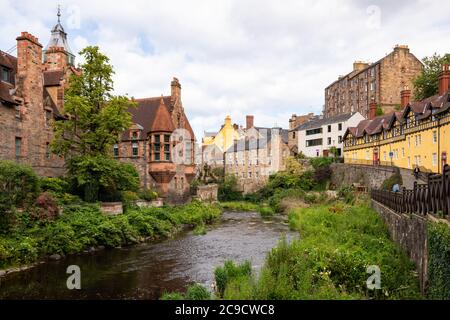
column 146, row 271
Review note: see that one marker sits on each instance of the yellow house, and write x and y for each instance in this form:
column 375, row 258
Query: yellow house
column 214, row 144
column 417, row 136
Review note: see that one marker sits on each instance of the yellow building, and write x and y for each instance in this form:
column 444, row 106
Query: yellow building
column 417, row 136
column 214, row 144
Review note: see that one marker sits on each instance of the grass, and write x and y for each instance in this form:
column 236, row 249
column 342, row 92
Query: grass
column 338, row 243
column 84, row 226
column 240, row 206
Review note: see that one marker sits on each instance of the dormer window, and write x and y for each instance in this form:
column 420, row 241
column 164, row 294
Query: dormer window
column 5, row 74
column 134, row 135
column 116, row 151
column 135, row 149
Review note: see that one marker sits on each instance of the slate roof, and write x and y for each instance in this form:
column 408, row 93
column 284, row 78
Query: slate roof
column 260, row 142
column 317, row 123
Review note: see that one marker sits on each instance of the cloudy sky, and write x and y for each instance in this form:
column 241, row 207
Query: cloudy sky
column 262, row 57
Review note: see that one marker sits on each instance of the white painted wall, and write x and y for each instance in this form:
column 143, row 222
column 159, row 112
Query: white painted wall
column 315, row 151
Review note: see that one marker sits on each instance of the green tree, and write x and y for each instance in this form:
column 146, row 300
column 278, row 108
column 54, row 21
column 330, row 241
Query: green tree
column 95, row 119
column 427, row 84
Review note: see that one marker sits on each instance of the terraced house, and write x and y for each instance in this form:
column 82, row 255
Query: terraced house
column 416, row 136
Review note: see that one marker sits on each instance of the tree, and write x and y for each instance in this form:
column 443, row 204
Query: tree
column 95, row 119
column 427, row 84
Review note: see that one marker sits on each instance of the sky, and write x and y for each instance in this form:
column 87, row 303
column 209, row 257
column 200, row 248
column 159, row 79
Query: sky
column 266, row 58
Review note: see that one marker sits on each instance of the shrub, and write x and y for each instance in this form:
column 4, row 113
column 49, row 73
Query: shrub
column 172, row 296
column 229, row 190
column 198, row 292
column 46, row 207
column 19, row 187
column 389, row 183
column 347, row 194
column 54, row 185
column 321, row 162
column 438, row 262
column 148, row 195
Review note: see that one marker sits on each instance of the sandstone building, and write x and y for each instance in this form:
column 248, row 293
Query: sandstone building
column 31, row 98
column 260, row 153
column 160, row 143
column 380, row 82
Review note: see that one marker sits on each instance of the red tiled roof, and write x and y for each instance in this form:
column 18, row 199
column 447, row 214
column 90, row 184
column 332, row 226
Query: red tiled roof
column 162, row 121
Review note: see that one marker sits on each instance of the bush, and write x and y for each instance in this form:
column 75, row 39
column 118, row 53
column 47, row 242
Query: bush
column 57, row 186
column 347, row 194
column 148, row 195
column 19, row 187
column 172, row 296
column 321, row 162
column 389, row 183
column 266, row 211
column 229, row 189
column 46, row 207
column 198, row 292
column 322, row 174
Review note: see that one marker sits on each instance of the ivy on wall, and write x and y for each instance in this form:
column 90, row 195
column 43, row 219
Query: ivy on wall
column 438, row 261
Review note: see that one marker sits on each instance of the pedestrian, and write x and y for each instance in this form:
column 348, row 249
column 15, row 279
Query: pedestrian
column 416, row 172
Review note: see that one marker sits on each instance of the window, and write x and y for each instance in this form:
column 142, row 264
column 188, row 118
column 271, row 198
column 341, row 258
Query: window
column 329, row 128
column 313, row 131
column 5, row 75
column 367, row 155
column 157, row 148
column 434, row 136
column 135, row 147
column 116, row 150
column 189, row 156
column 315, row 142
column 435, row 159
column 409, row 162
column 385, row 156
column 18, row 113
column 403, row 152
column 167, row 147
column 48, row 118
column 134, row 136
column 418, row 140
column 18, row 147
column 48, row 152
column 409, row 142
column 249, row 174
column 329, row 141
column 340, row 126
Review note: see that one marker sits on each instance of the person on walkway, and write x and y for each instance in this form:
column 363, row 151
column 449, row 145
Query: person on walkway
column 396, row 188
column 416, row 172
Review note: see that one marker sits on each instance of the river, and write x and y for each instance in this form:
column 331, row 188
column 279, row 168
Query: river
column 146, row 271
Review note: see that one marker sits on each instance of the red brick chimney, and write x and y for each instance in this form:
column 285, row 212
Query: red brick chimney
column 444, row 80
column 372, row 109
column 56, row 59
column 405, row 96
column 250, row 121
column 29, row 68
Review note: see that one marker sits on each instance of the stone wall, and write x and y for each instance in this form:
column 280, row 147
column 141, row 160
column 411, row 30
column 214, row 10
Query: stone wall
column 410, row 232
column 208, row 193
column 346, row 175
column 111, row 208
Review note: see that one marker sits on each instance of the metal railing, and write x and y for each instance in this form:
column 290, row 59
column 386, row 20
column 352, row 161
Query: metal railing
column 431, row 198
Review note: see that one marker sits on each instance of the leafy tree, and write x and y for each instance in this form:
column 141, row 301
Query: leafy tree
column 427, row 84
column 95, row 118
column 379, row 111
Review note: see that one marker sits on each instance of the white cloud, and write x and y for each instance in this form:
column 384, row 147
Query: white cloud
column 261, row 57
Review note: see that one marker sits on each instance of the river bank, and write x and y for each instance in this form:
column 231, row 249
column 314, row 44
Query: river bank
column 83, row 228
column 148, row 270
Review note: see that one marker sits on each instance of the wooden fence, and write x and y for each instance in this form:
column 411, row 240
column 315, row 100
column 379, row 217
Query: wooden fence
column 431, row 198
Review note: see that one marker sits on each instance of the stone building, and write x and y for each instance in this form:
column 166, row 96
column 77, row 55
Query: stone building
column 294, row 122
column 160, row 144
column 381, row 82
column 31, row 98
column 259, row 154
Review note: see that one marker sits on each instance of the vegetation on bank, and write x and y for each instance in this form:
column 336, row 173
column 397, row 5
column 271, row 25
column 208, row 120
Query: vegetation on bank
column 83, row 226
column 338, row 243
column 438, row 261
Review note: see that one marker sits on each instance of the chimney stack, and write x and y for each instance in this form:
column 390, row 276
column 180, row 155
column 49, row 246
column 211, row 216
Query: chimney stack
column 444, row 80
column 175, row 91
column 372, row 109
column 250, row 121
column 405, row 96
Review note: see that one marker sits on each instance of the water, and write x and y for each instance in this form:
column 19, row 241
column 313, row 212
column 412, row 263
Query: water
column 146, row 271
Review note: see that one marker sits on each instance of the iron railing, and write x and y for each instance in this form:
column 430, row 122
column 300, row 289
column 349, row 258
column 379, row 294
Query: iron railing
column 431, row 198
